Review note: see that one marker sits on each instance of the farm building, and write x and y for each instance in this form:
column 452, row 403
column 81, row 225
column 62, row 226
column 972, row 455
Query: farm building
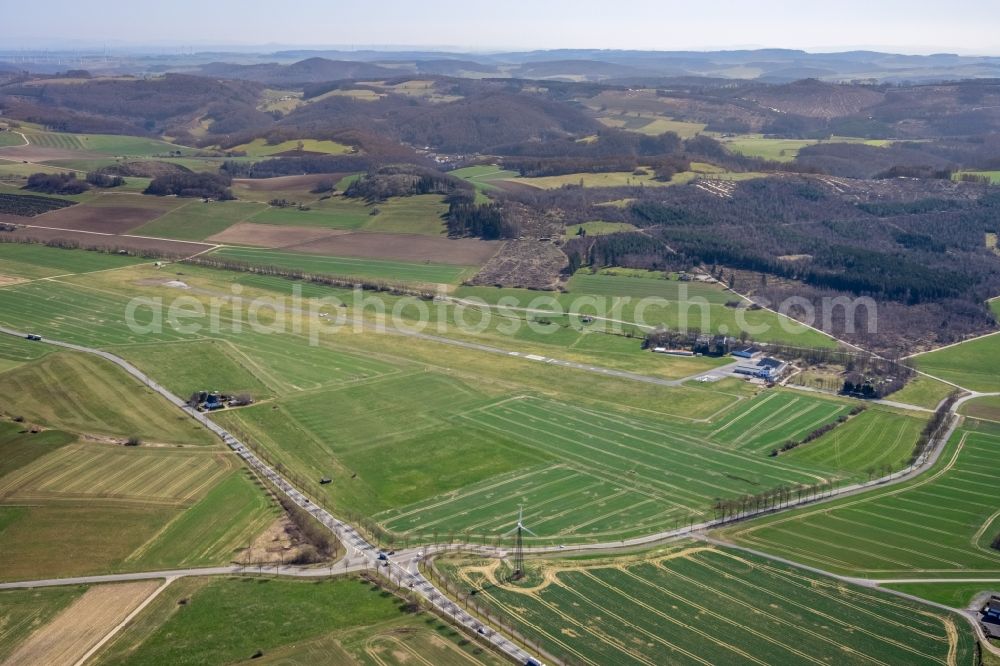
column 747, row 353
column 766, row 368
column 991, row 617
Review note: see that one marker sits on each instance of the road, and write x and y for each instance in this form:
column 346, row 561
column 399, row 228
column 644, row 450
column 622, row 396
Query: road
column 405, row 573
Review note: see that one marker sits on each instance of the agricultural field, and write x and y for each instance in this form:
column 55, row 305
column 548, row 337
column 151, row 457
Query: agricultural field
column 197, row 221
column 993, row 176
column 983, row 408
column 345, row 620
column 484, row 177
column 334, row 213
column 20, row 447
column 67, row 638
column 29, row 205
column 260, row 147
column 973, row 365
column 699, row 605
column 33, row 262
column 867, row 444
column 681, row 305
column 652, row 124
column 87, row 470
column 378, row 269
column 86, row 394
column 122, row 145
column 423, row 214
column 24, row 611
column 923, row 391
column 938, row 525
column 597, row 228
column 10, row 139
column 956, row 595
column 783, row 150
column 618, row 475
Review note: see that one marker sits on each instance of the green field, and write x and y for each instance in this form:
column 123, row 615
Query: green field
column 86, row 394
column 19, row 447
column 378, row 269
column 110, row 144
column 341, row 621
column 783, row 150
column 956, row 595
column 39, row 261
column 197, row 537
column 10, row 139
column 593, row 475
column 598, row 228
column 994, row 176
column 652, row 124
column 937, row 525
column 868, row 443
column 923, row 391
column 681, row 305
column 260, row 147
column 983, row 408
column 337, row 212
column 712, row 606
column 24, row 611
column 422, row 214
column 973, row 365
column 197, row 221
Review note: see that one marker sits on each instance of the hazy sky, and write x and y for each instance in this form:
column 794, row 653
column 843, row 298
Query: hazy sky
column 913, row 26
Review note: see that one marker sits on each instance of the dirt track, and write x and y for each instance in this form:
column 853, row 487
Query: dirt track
column 69, row 635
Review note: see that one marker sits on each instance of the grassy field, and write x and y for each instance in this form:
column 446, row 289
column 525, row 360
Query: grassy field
column 260, row 147
column 379, row 269
column 983, row 408
column 923, row 391
column 783, row 150
column 422, row 214
column 341, row 621
column 973, row 365
column 652, row 124
column 197, row 537
column 109, row 144
column 10, row 139
column 24, row 611
column 867, row 443
column 956, row 595
column 484, row 176
column 598, row 228
column 618, row 475
column 681, row 305
column 32, row 262
column 938, row 525
column 197, row 221
column 994, row 176
column 710, row 606
column 358, row 406
column 20, row 447
column 337, row 212
column 86, row 394
column 152, row 475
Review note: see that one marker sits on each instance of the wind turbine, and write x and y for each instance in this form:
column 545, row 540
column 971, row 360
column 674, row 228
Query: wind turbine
column 519, row 530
